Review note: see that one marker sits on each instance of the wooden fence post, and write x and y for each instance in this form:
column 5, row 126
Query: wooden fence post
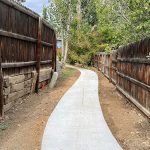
column 54, row 53
column 97, row 61
column 1, row 89
column 110, row 68
column 38, row 51
column 94, row 61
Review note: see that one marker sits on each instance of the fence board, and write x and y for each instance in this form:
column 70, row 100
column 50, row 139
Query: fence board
column 38, row 52
column 129, row 69
column 1, row 87
column 27, row 42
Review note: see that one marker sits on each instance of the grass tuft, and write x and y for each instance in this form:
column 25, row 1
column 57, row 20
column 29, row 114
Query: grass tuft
column 3, row 126
column 68, row 72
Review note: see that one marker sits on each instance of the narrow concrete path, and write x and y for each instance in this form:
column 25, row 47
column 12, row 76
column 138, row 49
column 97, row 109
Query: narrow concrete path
column 77, row 123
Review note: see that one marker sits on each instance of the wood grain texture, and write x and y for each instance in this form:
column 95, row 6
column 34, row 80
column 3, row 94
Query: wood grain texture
column 129, row 69
column 1, row 87
column 24, row 46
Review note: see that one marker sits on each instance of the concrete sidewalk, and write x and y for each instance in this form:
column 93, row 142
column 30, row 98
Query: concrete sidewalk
column 77, row 123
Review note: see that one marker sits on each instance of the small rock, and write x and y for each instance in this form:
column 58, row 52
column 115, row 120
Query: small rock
column 6, row 117
column 19, row 125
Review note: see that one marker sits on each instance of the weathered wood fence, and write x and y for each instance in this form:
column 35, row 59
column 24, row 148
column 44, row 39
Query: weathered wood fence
column 129, row 69
column 27, row 52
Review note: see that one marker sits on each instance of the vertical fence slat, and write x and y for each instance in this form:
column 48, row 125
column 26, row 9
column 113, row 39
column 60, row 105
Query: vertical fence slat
column 1, row 88
column 110, row 68
column 25, row 48
column 129, row 69
column 54, row 52
column 39, row 45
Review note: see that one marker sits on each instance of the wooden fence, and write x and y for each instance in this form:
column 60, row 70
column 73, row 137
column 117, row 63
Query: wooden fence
column 27, row 44
column 129, row 70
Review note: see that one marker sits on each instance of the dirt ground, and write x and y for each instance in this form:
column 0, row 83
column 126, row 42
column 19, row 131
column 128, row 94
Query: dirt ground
column 130, row 127
column 24, row 124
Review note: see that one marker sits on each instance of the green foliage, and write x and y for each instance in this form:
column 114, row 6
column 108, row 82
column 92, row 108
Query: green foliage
column 104, row 25
column 83, row 44
column 44, row 14
column 3, row 126
column 123, row 21
column 89, row 12
column 59, row 55
column 67, row 72
column 85, row 40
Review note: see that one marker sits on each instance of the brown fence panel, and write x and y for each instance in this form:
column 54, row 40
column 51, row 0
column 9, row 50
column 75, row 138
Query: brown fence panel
column 130, row 70
column 99, row 61
column 114, row 67
column 133, row 70
column 102, row 63
column 47, row 45
column 25, row 47
column 1, row 88
column 96, row 61
column 107, row 65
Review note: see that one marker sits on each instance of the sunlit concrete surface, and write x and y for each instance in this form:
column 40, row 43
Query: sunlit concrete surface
column 77, row 123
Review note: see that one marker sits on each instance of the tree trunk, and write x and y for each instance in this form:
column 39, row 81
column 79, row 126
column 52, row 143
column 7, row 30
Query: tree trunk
column 63, row 47
column 79, row 14
column 66, row 51
column 66, row 45
column 79, row 17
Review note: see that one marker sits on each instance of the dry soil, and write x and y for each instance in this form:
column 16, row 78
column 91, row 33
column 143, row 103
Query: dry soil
column 130, row 127
column 24, row 124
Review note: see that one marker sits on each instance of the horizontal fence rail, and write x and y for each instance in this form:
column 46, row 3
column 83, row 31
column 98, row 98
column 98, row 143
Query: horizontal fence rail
column 27, row 45
column 129, row 69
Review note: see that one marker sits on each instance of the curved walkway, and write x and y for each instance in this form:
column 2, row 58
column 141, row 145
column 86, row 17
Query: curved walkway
column 77, row 123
